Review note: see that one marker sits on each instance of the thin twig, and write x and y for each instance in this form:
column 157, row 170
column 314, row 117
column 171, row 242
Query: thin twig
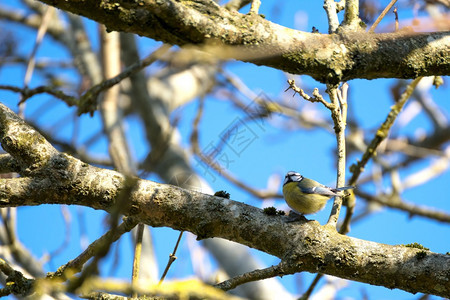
column 412, row 209
column 382, row 132
column 76, row 264
column 317, row 97
column 338, row 113
column 278, row 270
column 342, row 96
column 396, row 19
column 32, row 61
column 137, row 257
column 313, row 284
column 172, row 258
column 28, row 93
column 266, row 107
column 88, row 101
column 383, row 13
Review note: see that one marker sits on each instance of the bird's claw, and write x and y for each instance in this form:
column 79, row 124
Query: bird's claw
column 295, row 217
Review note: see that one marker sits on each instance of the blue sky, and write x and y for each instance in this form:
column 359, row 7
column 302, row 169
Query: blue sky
column 274, row 150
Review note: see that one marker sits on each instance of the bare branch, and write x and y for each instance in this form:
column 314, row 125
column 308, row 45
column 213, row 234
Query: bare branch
column 236, row 4
column 338, row 110
column 77, row 263
column 172, row 258
column 88, row 101
column 412, row 209
column 331, row 10
column 255, row 6
column 253, row 39
column 28, row 93
column 339, row 116
column 351, row 15
column 32, row 60
column 382, row 132
column 381, row 16
column 273, row 271
column 317, row 97
column 68, row 181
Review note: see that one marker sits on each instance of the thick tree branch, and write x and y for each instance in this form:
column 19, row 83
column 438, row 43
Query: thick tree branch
column 304, row 246
column 327, row 58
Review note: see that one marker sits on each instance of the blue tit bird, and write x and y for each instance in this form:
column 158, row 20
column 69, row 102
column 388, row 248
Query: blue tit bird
column 307, row 196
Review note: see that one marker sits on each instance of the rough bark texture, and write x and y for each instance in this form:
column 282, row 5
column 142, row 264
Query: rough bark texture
column 327, row 58
column 50, row 177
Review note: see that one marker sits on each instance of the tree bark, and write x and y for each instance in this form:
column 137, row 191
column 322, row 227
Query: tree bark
column 327, row 58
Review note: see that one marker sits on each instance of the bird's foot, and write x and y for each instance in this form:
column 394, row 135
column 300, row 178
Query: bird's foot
column 295, row 217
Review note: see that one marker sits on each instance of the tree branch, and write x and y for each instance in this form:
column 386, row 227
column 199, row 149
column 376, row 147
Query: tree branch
column 330, row 9
column 305, row 246
column 254, row 39
column 382, row 132
column 77, row 264
column 252, row 276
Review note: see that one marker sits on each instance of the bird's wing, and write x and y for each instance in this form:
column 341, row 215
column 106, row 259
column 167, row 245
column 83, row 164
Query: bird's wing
column 344, row 188
column 321, row 190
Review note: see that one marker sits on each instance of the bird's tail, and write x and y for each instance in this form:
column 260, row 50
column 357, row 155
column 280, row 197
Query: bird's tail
column 344, row 188
column 339, row 191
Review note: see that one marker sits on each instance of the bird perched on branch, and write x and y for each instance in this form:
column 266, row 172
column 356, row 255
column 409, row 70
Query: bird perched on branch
column 307, row 196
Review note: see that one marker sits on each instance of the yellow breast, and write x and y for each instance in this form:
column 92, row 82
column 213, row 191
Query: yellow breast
column 303, row 203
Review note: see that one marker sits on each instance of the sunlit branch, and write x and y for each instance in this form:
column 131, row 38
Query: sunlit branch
column 236, row 4
column 339, row 115
column 316, row 96
column 381, row 16
column 331, row 10
column 351, row 15
column 266, row 107
column 279, row 270
column 338, row 109
column 255, row 6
